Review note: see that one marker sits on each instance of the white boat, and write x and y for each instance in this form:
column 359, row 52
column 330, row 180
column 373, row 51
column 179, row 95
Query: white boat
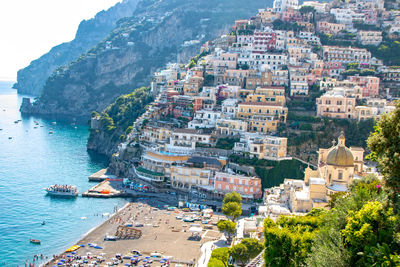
column 62, row 190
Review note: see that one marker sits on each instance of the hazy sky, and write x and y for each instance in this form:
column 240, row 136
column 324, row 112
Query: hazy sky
column 30, row 28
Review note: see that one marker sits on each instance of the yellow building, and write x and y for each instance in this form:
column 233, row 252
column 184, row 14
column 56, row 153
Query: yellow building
column 154, row 134
column 184, row 178
column 262, row 117
column 271, row 147
column 272, row 94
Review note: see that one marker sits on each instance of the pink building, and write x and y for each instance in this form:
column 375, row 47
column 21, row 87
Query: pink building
column 335, row 104
column 247, row 187
column 291, row 15
column 369, row 85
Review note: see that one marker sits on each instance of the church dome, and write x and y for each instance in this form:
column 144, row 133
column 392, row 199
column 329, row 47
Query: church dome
column 340, row 155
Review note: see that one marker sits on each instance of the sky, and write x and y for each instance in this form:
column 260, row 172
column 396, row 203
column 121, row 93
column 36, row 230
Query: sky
column 30, row 28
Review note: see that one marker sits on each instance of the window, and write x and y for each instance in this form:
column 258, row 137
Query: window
column 340, row 175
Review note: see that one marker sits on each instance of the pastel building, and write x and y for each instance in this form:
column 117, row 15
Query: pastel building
column 262, row 146
column 369, row 85
column 346, row 54
column 155, row 165
column 248, row 187
column 330, row 28
column 369, row 37
column 185, row 178
column 262, row 117
column 336, row 104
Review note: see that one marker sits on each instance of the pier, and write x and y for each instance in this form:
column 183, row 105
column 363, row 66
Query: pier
column 104, row 190
column 101, row 176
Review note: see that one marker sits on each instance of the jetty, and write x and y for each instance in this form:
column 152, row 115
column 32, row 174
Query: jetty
column 101, row 176
column 104, row 190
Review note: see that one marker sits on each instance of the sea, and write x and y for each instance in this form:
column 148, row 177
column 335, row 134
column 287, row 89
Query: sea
column 32, row 159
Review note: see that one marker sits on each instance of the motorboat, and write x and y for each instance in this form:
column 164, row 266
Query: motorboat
column 62, row 190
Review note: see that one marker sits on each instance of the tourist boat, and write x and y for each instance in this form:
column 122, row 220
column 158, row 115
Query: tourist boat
column 62, row 190
column 35, row 241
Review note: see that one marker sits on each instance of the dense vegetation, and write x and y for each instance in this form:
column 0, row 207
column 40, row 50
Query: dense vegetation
column 120, row 115
column 356, row 132
column 362, row 226
column 272, row 173
column 226, row 143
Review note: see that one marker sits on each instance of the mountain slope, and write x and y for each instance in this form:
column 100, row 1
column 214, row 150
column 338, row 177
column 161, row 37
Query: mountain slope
column 134, row 50
column 31, row 79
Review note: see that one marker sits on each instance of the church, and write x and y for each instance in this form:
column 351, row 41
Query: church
column 337, row 167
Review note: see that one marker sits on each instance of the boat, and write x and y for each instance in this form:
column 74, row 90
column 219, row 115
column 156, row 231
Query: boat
column 44, row 222
column 10, row 137
column 73, row 248
column 62, row 190
column 51, row 132
column 35, row 241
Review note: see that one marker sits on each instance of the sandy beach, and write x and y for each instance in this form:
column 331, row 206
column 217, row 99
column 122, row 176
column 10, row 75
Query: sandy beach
column 161, row 233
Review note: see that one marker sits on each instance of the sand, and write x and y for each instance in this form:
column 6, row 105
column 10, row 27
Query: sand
column 170, row 237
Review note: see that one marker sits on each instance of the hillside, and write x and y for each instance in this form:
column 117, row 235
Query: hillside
column 30, row 80
column 137, row 47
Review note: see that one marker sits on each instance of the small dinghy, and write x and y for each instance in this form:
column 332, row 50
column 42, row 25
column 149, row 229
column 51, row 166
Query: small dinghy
column 35, row 241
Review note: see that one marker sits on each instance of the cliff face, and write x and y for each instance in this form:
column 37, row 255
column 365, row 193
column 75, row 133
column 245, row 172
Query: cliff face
column 31, row 79
column 137, row 47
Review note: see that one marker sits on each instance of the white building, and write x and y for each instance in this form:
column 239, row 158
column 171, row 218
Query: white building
column 284, row 5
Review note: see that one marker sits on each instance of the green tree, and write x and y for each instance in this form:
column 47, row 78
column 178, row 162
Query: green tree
column 288, row 241
column 233, row 197
column 239, row 253
column 254, row 247
column 219, row 257
column 227, row 227
column 307, row 9
column 384, row 144
column 232, row 210
column 368, row 227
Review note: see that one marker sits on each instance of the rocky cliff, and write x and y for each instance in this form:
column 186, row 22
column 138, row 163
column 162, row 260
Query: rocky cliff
column 137, row 47
column 31, row 79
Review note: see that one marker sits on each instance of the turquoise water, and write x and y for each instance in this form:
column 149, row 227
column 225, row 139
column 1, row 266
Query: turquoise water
column 34, row 159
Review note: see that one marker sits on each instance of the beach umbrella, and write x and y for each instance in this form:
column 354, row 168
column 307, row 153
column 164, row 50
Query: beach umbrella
column 62, row 260
column 127, row 264
column 73, row 252
column 147, row 257
column 162, row 261
column 144, row 261
column 82, row 246
column 165, row 259
column 60, row 263
column 69, row 256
